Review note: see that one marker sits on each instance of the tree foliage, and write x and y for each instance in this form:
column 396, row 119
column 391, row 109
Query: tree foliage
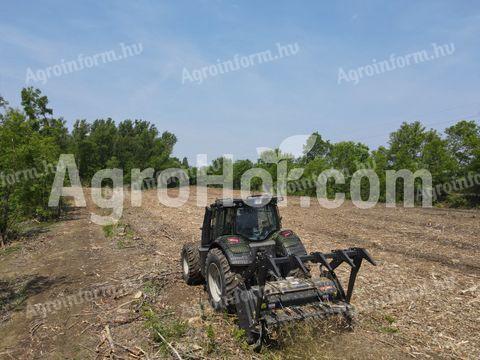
column 32, row 139
column 450, row 158
column 26, row 177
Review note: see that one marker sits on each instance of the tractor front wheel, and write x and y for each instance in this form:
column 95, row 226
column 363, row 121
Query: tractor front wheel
column 190, row 262
column 221, row 281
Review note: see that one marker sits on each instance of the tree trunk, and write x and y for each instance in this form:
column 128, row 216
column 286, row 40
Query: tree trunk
column 5, row 216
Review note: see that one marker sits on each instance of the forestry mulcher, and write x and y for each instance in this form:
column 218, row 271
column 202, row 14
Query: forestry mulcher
column 253, row 267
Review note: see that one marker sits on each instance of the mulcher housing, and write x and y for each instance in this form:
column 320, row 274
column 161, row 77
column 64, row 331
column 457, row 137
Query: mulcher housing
column 253, row 267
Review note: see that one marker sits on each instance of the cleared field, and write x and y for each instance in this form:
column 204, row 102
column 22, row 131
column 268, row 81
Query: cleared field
column 421, row 301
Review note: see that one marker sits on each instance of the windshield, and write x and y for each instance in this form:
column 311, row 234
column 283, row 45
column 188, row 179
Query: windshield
column 256, row 223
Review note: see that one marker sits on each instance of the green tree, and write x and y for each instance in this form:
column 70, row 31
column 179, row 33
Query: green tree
column 380, row 165
column 406, row 146
column 25, row 189
column 348, row 157
column 320, row 147
column 307, row 184
column 463, row 141
column 437, row 158
column 103, row 135
column 217, row 168
column 84, row 149
column 35, row 106
column 32, row 139
column 3, row 102
column 239, row 168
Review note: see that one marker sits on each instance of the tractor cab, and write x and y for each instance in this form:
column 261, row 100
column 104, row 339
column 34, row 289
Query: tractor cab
column 254, row 219
column 244, row 229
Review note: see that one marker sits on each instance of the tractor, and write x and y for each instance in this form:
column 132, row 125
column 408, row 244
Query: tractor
column 250, row 266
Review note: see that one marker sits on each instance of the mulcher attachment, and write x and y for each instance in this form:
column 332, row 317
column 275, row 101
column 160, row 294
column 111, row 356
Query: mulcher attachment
column 282, row 300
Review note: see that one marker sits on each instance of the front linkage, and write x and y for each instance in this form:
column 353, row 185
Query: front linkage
column 292, row 299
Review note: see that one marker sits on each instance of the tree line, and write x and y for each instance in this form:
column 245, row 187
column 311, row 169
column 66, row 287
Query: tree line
column 32, row 139
column 452, row 158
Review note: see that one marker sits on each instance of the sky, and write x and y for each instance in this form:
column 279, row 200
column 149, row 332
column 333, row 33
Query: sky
column 259, row 105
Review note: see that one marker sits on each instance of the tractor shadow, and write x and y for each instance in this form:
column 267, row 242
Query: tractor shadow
column 14, row 292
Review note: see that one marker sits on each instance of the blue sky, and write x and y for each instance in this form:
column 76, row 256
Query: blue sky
column 263, row 104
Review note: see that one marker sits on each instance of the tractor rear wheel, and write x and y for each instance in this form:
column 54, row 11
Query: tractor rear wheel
column 191, row 267
column 221, row 281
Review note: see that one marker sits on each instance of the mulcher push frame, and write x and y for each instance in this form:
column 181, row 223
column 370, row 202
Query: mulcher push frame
column 250, row 305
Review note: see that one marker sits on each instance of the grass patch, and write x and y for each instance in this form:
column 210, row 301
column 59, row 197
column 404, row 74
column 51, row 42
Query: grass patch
column 109, row 230
column 211, row 344
column 171, row 329
column 123, row 234
column 390, row 319
column 128, row 232
column 239, row 334
column 388, row 330
column 125, row 237
column 122, row 244
column 152, row 288
column 10, row 250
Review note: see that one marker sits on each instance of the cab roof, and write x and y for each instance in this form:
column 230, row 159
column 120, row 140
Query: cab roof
column 256, row 200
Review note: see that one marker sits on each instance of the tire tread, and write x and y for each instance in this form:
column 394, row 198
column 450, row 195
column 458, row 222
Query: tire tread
column 190, row 252
column 230, row 278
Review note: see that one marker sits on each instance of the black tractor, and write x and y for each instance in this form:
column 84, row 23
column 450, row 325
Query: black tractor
column 253, row 267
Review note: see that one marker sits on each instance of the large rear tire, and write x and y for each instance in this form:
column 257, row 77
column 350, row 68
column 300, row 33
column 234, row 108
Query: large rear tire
column 191, row 267
column 221, row 281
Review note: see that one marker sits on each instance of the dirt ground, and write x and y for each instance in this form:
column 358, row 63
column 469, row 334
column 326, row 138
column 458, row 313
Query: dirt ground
column 79, row 291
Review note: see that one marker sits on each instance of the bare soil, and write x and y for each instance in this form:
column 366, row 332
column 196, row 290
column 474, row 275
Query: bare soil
column 421, row 301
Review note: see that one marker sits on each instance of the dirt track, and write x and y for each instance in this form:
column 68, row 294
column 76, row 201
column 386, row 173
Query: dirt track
column 421, row 301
